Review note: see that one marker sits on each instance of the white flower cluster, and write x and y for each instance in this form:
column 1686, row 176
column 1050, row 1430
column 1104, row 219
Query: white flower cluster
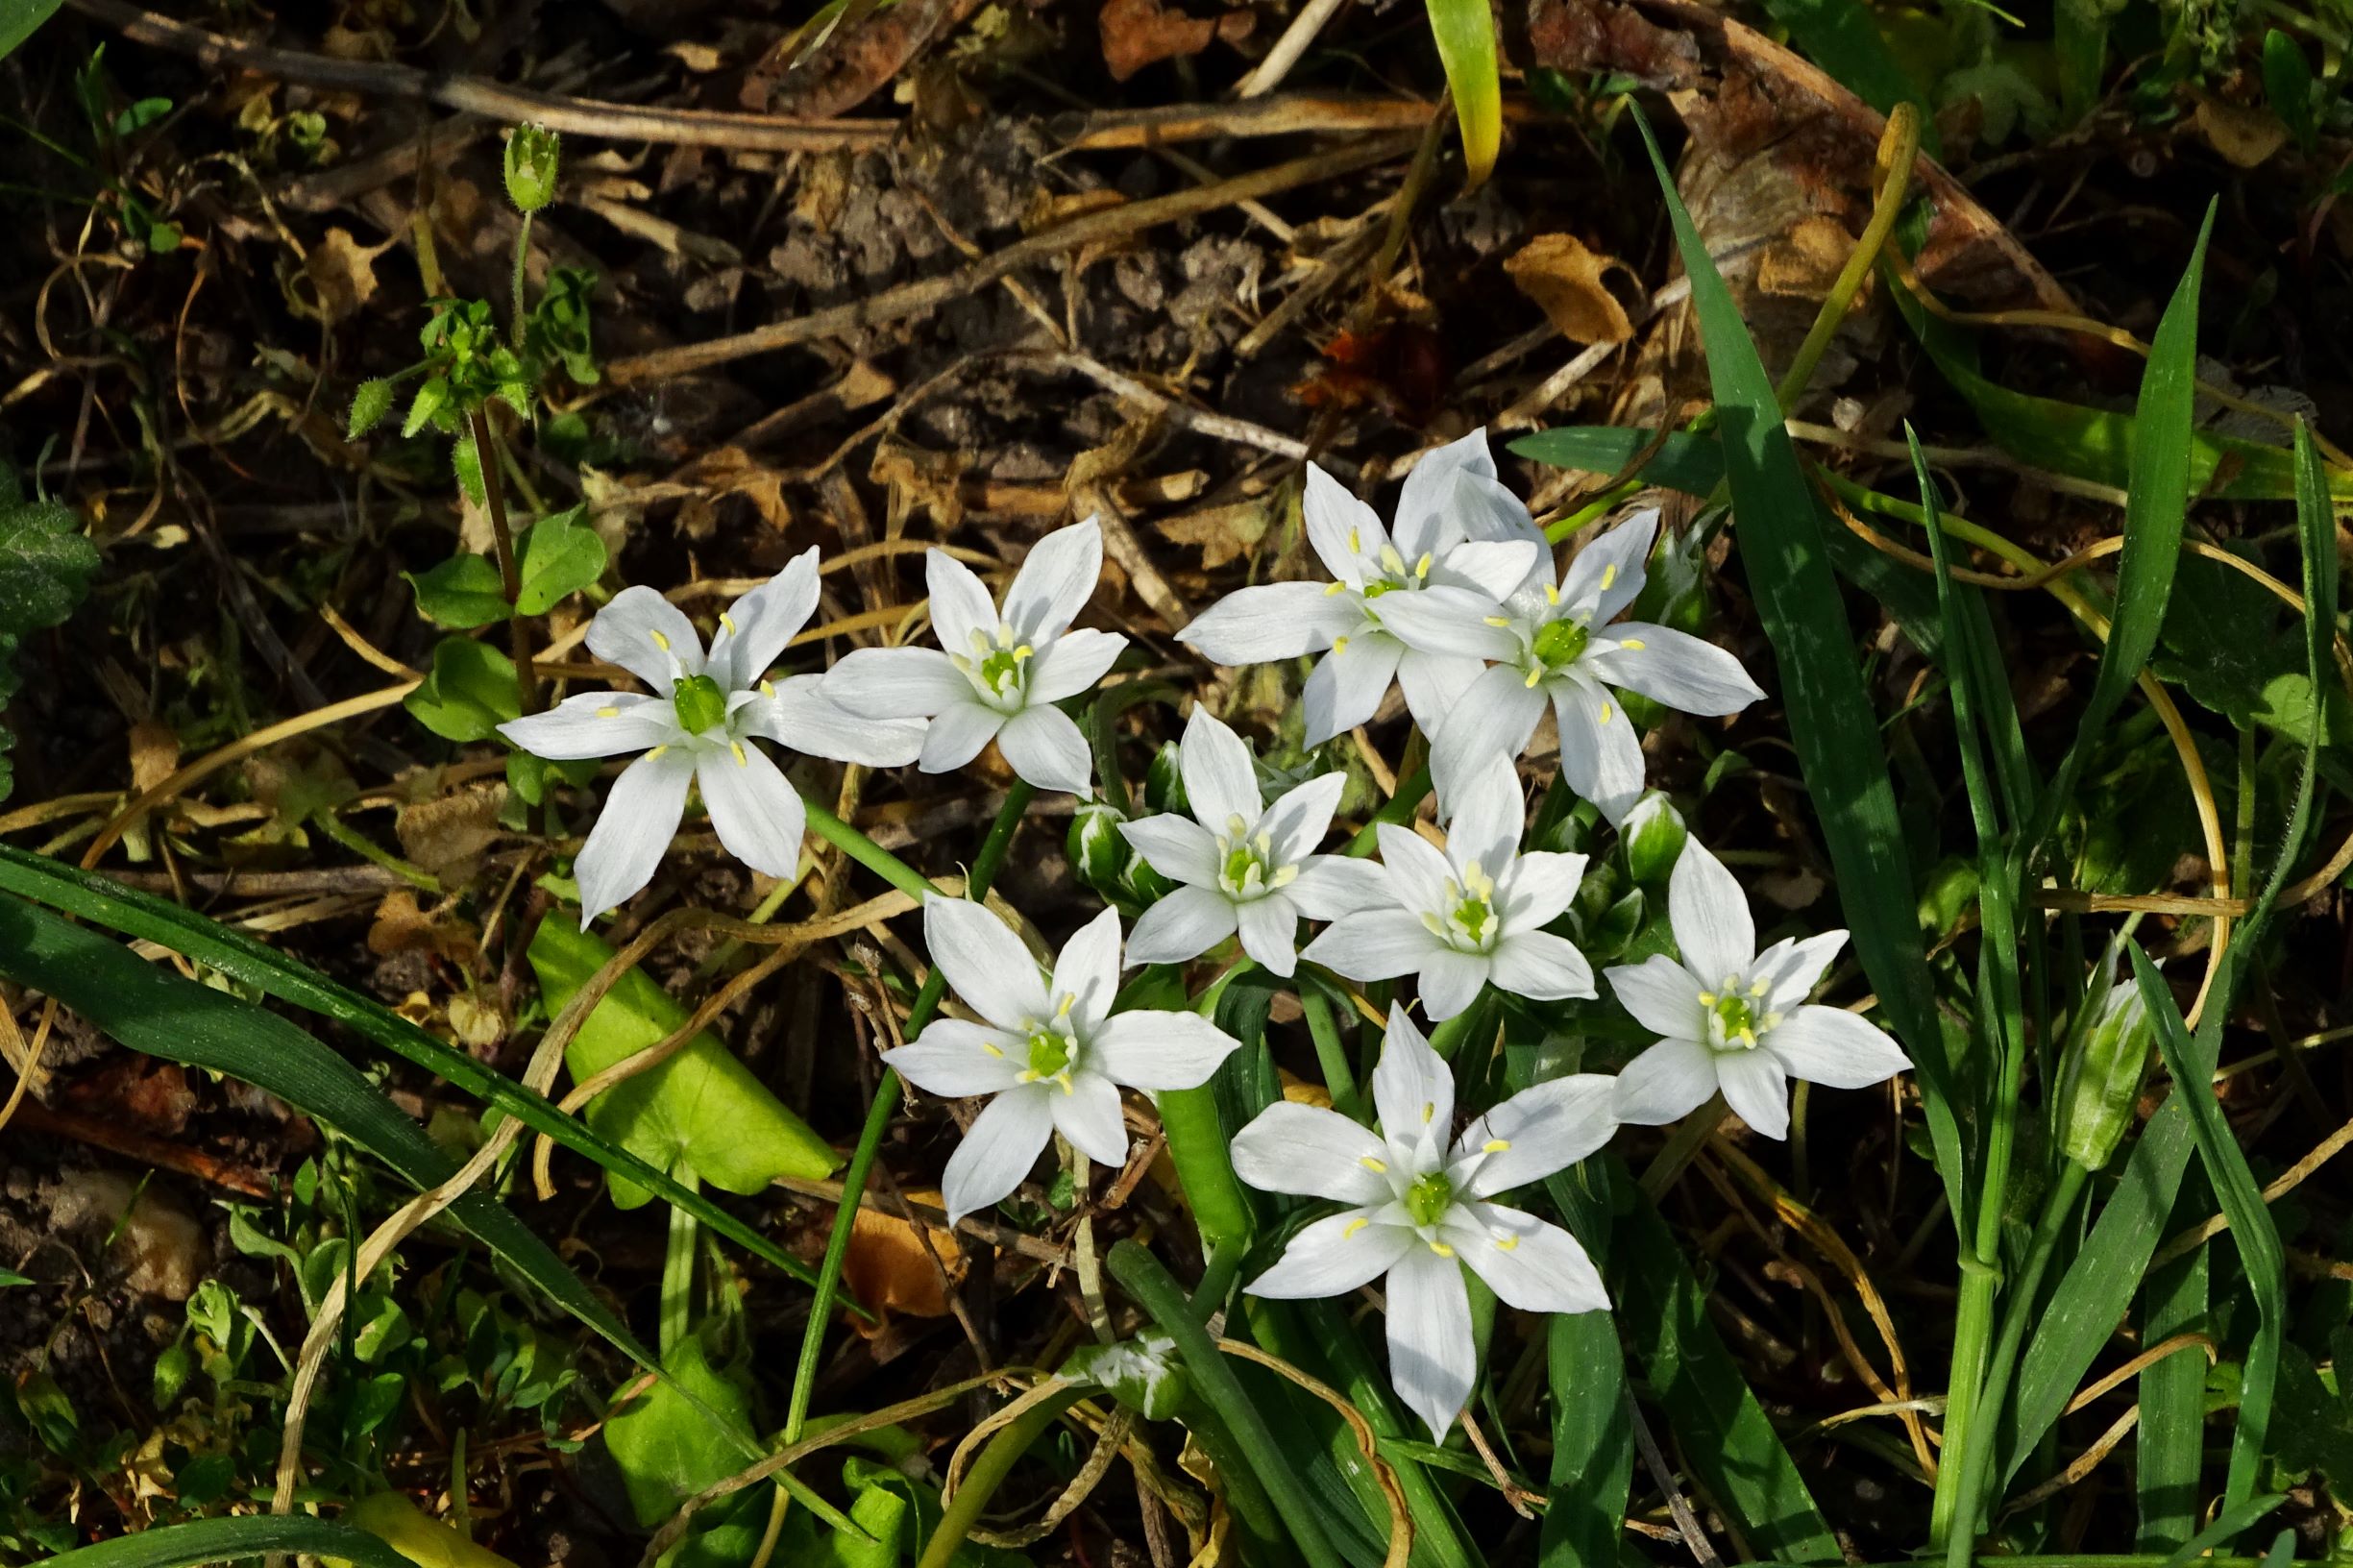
column 1456, row 603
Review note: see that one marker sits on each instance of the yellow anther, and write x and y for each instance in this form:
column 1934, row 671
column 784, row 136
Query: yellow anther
column 1353, row 1226
column 741, row 760
column 1635, row 643
column 661, row 642
column 1334, row 589
column 657, row 752
column 1505, row 1243
column 1761, row 987
column 1609, row 575
column 1430, row 1109
column 1606, row 711
column 1063, row 1010
column 768, row 688
column 1372, row 1165
column 727, row 621
column 1441, row 1249
column 1356, row 542
column 1023, row 651
column 1392, row 562
column 1552, row 594
column 1499, row 619
column 1707, row 998
column 1534, row 675
column 1339, row 645
column 1067, row 1086
column 1421, row 568
column 1495, row 1145
column 608, row 712
column 993, row 1050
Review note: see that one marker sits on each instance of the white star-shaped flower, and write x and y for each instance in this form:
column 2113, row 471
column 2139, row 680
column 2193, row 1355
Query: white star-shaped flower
column 1735, row 1020
column 1460, row 541
column 1050, row 1051
column 1418, row 1212
column 996, row 677
column 1558, row 645
column 1243, row 865
column 696, row 728
column 1469, row 915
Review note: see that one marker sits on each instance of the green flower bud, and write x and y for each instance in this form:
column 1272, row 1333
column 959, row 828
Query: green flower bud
column 1620, row 924
column 1098, row 851
column 369, row 406
column 1653, row 835
column 531, row 163
column 2104, row 1078
column 1163, row 782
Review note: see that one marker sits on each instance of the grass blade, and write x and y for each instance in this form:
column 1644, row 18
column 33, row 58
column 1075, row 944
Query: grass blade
column 228, row 1540
column 1465, row 31
column 2228, row 1523
column 104, row 902
column 2170, row 1442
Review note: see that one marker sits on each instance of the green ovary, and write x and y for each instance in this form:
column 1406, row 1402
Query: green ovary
column 700, row 703
column 1558, row 644
column 1733, row 1021
column 1428, row 1198
column 1050, row 1053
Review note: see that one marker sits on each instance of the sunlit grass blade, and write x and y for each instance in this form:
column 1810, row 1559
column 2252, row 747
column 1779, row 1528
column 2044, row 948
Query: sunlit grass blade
column 107, row 903
column 1465, row 31
column 201, row 1541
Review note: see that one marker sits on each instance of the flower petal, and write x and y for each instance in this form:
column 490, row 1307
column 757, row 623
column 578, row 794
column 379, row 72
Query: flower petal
column 895, row 683
column 648, row 636
column 633, row 832
column 1087, row 971
column 596, row 725
column 1688, row 673
column 1302, row 815
column 1539, row 886
column 1451, row 981
column 1755, row 1086
column 1666, row 1083
column 1073, row 663
column 956, row 734
column 1793, row 967
column 754, row 809
column 953, row 1058
column 1600, row 755
column 1536, row 1132
column 1088, row 1114
column 1418, row 871
column 1375, row 945
column 1607, row 574
column 1002, row 1143
column 802, row 717
column 1178, row 847
column 1270, row 932
column 1272, row 621
column 1495, row 718
column 1662, row 995
column 1331, row 1257
column 1435, row 684
column 1348, row 683
column 1710, row 917
column 1310, row 1152
column 1499, row 568
column 985, row 962
column 1487, row 810
column 1342, row 530
column 1153, row 1050
column 1055, row 580
column 1331, row 886
column 1043, row 745
column 1456, row 621
column 1430, row 505
column 1528, row 1262
column 1185, row 925
column 1541, row 966
column 1220, row 783
column 1413, row 1087
column 961, row 606
column 1433, row 1359
column 1833, row 1047
column 757, row 626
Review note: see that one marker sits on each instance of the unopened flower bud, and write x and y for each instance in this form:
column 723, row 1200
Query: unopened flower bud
column 1163, row 782
column 1653, row 835
column 1098, row 852
column 531, row 163
column 2104, row 1079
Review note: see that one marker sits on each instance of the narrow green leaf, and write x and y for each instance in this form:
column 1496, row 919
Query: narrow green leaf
column 2286, row 83
column 1593, row 1443
column 2170, row 1442
column 1465, row 31
column 201, row 1541
column 1693, row 464
column 2228, row 1523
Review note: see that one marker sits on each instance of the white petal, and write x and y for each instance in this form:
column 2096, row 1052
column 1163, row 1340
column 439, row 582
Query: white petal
column 1685, row 672
column 895, row 684
column 1435, row 684
column 1073, row 663
column 953, row 1059
column 1418, row 871
column 1536, row 1132
column 1413, row 1087
column 1219, row 781
column 1793, row 967
column 1154, row 1050
column 1487, row 808
column 1178, row 847
column 1710, row 917
column 1044, row 746
column 1433, row 1359
column 1600, row 755
column 1497, row 568
column 956, row 734
column 1495, row 718
column 802, row 716
column 1055, row 580
column 1088, row 1114
column 1539, row 886
column 757, row 626
column 1088, row 970
column 1302, row 815
column 1541, row 966
column 648, row 636
column 1430, row 505
column 960, row 602
column 1185, row 925
column 1666, row 1083
column 1451, row 981
column 1331, row 1257
column 1342, row 530
column 596, row 725
column 1831, row 1046
column 1347, row 685
column 1377, row 944
column 1273, row 620
column 633, row 832
column 1448, row 620
column 1004, row 1141
column 1270, row 932
column 1755, row 1087
column 985, row 962
column 1607, row 573
column 1331, row 886
column 1310, row 1152
column 1662, row 995
column 756, row 813
column 1529, row 1264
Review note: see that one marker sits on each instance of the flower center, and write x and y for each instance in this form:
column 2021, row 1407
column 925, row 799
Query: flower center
column 1559, row 644
column 1733, row 1022
column 700, row 703
column 1470, row 923
column 1053, row 1052
column 1246, row 866
column 1428, row 1198
column 997, row 667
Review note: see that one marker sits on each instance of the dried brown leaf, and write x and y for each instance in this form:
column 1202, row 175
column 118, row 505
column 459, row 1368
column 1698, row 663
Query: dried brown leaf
column 1569, row 282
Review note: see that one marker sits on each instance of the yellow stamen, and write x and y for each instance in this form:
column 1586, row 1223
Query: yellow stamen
column 1339, row 645
column 1421, row 568
column 993, row 1050
column 1067, row 1003
column 608, row 712
column 1495, row 1145
column 657, row 752
column 1552, row 594
column 1507, row 1243
column 1534, row 675
column 1606, row 711
column 1441, row 1249
column 1356, row 542
column 1707, row 998
column 1373, row 1164
column 1609, row 575
column 727, row 621
column 1430, row 1109
column 1499, row 619
column 661, row 642
column 768, row 688
column 1635, row 643
column 1023, row 653
column 1353, row 1226
column 1334, row 589
column 741, row 760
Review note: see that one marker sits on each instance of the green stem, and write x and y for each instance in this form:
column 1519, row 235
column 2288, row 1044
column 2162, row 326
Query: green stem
column 988, row 1473
column 1975, row 1460
column 1214, row 1378
column 895, row 872
column 677, row 1304
column 522, row 252
column 510, row 575
column 1399, row 809
column 1331, row 1052
column 1199, row 1148
column 376, row 854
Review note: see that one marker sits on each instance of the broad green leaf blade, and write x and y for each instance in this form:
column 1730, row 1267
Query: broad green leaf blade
column 468, row 694
column 203, row 1542
column 462, row 593
column 1465, row 31
column 1779, row 531
column 2169, row 1443
column 661, row 1441
column 560, row 555
column 45, row 562
column 117, row 908
column 1593, row 1443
